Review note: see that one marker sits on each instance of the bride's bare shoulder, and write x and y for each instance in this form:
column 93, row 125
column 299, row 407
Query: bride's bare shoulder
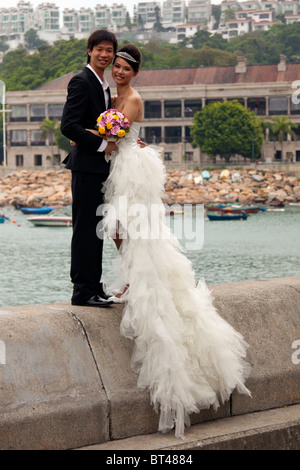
column 135, row 97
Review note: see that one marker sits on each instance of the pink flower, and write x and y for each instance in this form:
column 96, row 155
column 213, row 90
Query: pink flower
column 115, row 130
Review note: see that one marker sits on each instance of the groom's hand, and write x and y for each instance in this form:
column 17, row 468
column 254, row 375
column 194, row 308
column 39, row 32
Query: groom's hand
column 111, row 147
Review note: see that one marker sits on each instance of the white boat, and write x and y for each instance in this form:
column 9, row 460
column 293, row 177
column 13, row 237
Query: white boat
column 57, row 218
column 51, row 221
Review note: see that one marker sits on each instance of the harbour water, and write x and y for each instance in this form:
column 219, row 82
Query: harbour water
column 35, row 261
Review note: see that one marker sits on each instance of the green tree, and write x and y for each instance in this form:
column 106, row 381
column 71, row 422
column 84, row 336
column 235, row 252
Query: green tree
column 216, row 13
column 3, row 45
column 157, row 25
column 227, row 128
column 281, row 127
column 32, row 41
column 1, row 139
column 128, row 21
column 48, row 129
column 62, row 141
column 228, row 14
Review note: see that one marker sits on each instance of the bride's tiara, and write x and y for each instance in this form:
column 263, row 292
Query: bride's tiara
column 126, row 56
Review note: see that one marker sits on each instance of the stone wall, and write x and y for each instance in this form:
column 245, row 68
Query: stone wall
column 66, row 379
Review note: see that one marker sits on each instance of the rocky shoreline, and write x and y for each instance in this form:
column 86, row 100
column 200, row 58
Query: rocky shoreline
column 53, row 187
column 247, row 186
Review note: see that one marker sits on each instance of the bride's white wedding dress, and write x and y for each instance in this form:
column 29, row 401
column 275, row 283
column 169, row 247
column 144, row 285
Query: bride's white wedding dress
column 185, row 354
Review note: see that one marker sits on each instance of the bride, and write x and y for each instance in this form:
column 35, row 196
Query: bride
column 185, row 354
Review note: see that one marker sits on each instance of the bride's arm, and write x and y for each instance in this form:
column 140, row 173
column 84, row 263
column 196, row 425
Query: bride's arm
column 111, row 146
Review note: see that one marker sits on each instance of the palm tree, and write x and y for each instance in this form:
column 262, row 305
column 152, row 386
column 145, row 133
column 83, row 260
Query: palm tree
column 282, row 126
column 48, row 128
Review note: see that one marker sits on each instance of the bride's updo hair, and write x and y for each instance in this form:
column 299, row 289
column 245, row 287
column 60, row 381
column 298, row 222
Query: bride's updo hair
column 131, row 54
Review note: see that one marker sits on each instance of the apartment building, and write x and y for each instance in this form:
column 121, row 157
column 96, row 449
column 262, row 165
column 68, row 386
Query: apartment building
column 171, row 97
column 146, row 12
column 118, row 14
column 199, row 11
column 70, row 20
column 102, row 16
column 186, row 30
column 46, row 17
column 14, row 22
column 174, row 12
column 86, row 20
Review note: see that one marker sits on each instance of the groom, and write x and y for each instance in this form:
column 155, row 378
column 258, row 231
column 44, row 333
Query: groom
column 88, row 96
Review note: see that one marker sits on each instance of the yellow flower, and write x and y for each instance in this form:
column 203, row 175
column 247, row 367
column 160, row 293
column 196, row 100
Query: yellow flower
column 115, row 116
column 121, row 133
column 109, row 125
column 101, row 130
column 98, row 118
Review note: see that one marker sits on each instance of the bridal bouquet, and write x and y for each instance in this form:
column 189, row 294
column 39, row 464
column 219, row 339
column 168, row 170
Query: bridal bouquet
column 112, row 125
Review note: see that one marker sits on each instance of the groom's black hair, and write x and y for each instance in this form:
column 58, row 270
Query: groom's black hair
column 101, row 35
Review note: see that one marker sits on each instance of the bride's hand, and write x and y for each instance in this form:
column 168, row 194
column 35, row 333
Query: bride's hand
column 141, row 143
column 93, row 131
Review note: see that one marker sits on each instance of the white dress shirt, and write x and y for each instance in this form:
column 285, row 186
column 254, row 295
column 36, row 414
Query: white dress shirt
column 104, row 85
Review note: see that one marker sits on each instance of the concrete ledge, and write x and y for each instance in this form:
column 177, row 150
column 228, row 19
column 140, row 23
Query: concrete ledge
column 67, row 381
column 264, row 430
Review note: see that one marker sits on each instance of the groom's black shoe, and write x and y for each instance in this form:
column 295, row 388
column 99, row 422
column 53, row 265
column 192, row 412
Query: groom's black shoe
column 101, row 293
column 95, row 301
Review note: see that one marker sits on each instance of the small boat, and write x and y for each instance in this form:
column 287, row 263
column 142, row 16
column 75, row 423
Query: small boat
column 36, row 210
column 3, row 218
column 224, row 174
column 173, row 211
column 205, row 175
column 276, row 209
column 224, row 216
column 276, row 203
column 51, row 221
column 233, row 208
column 241, row 209
column 236, row 178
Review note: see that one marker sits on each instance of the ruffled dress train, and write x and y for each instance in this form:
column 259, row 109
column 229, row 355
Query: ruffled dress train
column 185, row 353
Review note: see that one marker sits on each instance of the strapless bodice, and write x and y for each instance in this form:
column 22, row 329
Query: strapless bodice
column 133, row 134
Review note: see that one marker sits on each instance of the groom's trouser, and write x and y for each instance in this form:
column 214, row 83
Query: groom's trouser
column 86, row 247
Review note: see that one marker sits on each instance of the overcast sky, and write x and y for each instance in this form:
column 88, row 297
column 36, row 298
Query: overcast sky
column 77, row 4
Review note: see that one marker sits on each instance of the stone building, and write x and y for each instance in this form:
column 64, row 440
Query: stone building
column 171, row 97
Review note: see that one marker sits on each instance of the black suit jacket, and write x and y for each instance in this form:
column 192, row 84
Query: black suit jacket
column 85, row 102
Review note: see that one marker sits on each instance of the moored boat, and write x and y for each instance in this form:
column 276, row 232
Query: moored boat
column 233, row 208
column 2, row 218
column 241, row 209
column 36, row 210
column 226, row 216
column 51, row 221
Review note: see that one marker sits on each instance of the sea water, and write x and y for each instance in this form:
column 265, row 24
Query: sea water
column 35, row 261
